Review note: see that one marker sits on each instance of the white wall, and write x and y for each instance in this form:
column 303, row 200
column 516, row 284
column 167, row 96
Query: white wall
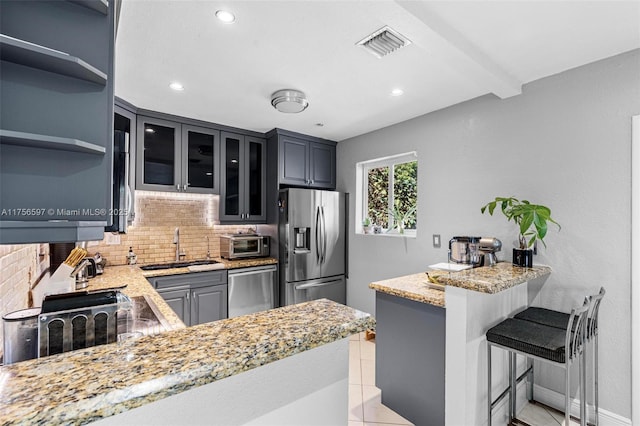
column 566, row 143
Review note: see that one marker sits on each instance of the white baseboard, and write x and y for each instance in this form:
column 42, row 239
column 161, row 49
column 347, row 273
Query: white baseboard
column 556, row 400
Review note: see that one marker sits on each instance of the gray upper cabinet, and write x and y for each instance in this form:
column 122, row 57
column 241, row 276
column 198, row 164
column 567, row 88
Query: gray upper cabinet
column 322, row 165
column 56, row 120
column 243, row 174
column 304, row 161
column 177, row 157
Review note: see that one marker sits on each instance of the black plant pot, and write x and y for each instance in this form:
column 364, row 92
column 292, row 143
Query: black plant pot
column 523, row 257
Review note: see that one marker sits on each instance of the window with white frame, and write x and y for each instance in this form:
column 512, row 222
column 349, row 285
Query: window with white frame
column 388, row 193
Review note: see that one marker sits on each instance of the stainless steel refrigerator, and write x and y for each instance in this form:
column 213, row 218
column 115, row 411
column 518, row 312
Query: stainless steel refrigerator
column 311, row 231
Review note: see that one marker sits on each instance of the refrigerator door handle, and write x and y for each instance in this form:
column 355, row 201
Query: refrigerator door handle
column 312, row 285
column 318, row 231
column 324, row 236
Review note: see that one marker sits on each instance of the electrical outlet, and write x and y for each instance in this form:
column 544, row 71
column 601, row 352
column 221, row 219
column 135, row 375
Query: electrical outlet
column 436, row 240
column 112, row 239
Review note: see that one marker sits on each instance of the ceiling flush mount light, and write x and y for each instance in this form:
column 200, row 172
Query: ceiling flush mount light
column 289, row 101
column 225, row 16
column 383, row 42
column 397, row 92
column 176, row 86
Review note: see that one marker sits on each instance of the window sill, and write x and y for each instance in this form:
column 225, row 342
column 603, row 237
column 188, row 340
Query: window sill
column 407, row 234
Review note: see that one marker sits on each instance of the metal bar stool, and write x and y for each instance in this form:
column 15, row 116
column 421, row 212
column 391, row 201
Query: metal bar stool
column 559, row 346
column 559, row 320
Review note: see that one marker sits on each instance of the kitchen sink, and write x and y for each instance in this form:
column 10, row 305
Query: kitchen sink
column 156, row 266
column 144, row 318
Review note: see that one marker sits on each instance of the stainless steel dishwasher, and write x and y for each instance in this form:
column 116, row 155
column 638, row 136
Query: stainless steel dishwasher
column 251, row 290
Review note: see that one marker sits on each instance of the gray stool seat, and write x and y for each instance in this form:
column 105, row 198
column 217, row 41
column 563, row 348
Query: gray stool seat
column 529, row 337
column 545, row 317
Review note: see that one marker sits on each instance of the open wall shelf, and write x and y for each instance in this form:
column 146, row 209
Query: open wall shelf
column 10, row 137
column 40, row 57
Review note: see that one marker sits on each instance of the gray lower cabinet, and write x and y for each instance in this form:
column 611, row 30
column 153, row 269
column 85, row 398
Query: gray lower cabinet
column 303, row 161
column 178, row 300
column 197, row 297
column 410, row 358
column 208, row 304
column 56, row 115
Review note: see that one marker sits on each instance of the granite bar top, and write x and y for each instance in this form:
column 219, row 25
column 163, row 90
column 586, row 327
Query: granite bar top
column 413, row 287
column 493, row 279
column 223, row 264
column 85, row 385
column 486, row 279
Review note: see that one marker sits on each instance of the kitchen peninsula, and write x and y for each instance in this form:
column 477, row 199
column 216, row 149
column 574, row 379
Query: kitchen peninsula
column 430, row 339
column 273, row 362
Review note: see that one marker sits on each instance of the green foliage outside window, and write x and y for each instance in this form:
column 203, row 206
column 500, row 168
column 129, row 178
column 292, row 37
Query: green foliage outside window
column 405, row 193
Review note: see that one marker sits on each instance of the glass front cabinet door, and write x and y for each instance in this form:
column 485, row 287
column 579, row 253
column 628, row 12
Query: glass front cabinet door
column 176, row 157
column 243, row 177
column 201, row 154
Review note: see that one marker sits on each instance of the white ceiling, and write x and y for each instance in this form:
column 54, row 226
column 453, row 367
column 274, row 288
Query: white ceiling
column 460, row 50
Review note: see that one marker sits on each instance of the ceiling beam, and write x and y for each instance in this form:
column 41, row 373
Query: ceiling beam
column 460, row 53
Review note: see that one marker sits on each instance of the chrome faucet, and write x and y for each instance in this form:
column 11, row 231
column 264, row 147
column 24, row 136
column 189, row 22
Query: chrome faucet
column 176, row 241
column 208, row 250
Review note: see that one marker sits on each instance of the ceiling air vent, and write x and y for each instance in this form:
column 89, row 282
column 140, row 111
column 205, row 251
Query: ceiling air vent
column 383, row 42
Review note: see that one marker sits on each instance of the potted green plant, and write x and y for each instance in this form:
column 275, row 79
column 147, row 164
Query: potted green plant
column 400, row 219
column 366, row 225
column 532, row 222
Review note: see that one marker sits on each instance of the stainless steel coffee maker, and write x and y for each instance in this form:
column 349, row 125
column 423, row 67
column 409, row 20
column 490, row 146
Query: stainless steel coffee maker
column 488, row 247
column 465, row 250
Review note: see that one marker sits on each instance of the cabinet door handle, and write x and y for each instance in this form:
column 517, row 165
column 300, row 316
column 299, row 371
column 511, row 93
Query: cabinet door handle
column 188, row 293
column 184, row 187
column 178, row 187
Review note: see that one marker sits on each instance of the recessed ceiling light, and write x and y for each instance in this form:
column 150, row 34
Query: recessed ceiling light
column 397, row 92
column 209, row 174
column 176, row 86
column 225, row 16
column 234, row 161
column 149, row 130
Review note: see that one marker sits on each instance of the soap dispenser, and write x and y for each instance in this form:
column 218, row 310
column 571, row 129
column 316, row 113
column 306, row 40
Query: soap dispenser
column 131, row 257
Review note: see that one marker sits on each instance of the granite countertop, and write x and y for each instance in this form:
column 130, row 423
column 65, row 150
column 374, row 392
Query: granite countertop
column 493, row 279
column 222, row 264
column 486, row 279
column 85, row 385
column 413, row 287
column 136, row 285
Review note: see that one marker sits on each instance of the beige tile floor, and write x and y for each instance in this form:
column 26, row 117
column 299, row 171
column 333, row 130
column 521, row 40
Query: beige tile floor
column 365, row 408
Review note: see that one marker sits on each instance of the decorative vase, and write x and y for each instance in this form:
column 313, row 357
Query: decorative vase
column 401, row 227
column 366, row 229
column 523, row 257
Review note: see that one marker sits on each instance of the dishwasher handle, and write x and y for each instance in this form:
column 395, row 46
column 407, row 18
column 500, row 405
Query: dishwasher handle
column 252, row 271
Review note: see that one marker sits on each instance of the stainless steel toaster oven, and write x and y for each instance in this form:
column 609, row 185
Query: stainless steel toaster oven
column 242, row 246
